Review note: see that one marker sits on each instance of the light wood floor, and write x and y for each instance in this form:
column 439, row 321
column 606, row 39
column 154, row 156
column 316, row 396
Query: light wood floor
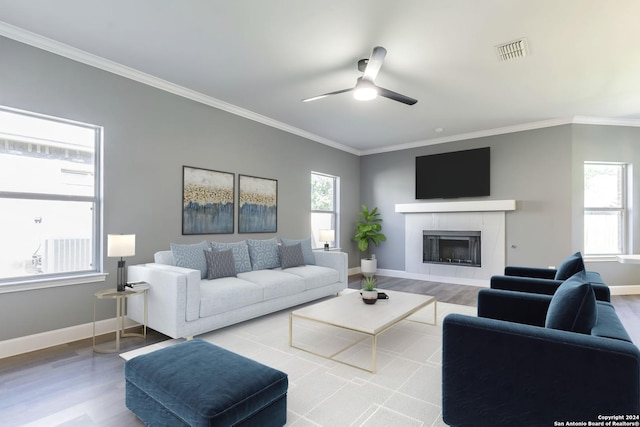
column 69, row 385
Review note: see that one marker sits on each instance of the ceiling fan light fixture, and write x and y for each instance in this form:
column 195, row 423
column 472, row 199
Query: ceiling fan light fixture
column 365, row 90
column 365, row 94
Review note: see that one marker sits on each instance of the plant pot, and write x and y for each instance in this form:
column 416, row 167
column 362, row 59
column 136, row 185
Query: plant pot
column 368, row 266
column 369, row 297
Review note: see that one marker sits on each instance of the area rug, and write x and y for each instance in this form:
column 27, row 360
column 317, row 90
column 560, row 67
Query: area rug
column 405, row 391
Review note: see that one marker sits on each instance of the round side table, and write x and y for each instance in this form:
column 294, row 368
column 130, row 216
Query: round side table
column 120, row 297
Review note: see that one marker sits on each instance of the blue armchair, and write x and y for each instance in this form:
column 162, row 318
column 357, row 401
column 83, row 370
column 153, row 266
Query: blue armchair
column 547, row 280
column 516, row 364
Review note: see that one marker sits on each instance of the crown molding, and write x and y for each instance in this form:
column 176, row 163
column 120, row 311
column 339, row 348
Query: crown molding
column 61, row 49
column 81, row 56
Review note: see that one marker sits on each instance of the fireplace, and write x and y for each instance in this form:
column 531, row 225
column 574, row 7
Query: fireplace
column 460, row 248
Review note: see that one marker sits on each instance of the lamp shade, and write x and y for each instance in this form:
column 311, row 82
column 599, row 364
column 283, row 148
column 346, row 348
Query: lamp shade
column 121, row 245
column 327, row 235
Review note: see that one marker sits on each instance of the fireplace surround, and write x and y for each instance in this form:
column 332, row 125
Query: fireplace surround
column 486, row 216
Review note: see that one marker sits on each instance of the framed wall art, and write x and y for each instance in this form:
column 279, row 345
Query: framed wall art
column 258, row 205
column 208, row 201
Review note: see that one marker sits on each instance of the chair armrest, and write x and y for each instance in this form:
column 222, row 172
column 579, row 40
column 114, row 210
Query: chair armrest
column 512, row 306
column 538, row 272
column 333, row 259
column 525, row 284
column 500, row 373
column 542, row 286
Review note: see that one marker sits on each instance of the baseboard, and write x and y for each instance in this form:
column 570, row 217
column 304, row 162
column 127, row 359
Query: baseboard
column 20, row 345
column 625, row 290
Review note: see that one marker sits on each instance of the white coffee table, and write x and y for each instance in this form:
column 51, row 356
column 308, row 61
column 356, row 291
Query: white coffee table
column 349, row 312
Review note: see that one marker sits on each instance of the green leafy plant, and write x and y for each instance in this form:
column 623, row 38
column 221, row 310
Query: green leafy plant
column 369, row 283
column 368, row 230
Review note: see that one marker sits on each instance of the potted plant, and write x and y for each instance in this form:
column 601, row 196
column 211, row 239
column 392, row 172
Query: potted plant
column 369, row 292
column 368, row 231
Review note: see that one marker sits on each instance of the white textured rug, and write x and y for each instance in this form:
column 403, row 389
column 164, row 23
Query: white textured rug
column 405, row 391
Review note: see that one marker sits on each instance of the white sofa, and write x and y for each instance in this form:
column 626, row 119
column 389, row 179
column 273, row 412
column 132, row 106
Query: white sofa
column 181, row 304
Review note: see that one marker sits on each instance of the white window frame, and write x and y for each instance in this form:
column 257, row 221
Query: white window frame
column 623, row 210
column 335, row 212
column 95, row 273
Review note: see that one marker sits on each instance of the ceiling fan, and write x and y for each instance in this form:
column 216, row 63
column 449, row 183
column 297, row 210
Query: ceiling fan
column 365, row 88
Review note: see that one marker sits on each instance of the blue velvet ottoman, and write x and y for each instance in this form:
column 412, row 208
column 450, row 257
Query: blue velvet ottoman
column 196, row 383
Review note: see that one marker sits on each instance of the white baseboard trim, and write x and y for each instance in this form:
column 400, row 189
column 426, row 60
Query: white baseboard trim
column 20, row 345
column 625, row 290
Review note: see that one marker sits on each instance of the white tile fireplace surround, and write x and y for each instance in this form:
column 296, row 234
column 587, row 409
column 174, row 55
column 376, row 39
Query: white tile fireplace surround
column 487, row 216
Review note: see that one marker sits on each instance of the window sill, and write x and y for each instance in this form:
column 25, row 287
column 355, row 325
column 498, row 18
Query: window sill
column 52, row 282
column 600, row 258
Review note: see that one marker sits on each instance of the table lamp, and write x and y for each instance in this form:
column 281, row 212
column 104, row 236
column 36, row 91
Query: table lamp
column 121, row 245
column 327, row 236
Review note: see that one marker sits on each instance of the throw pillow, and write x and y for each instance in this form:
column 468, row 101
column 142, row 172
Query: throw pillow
column 307, row 251
column 240, row 252
column 291, row 256
column 191, row 256
column 570, row 266
column 573, row 306
column 263, row 254
column 219, row 264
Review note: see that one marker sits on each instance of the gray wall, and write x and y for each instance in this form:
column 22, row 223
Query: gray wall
column 541, row 169
column 521, row 169
column 149, row 135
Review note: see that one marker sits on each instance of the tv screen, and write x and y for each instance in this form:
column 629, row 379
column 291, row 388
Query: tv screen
column 451, row 175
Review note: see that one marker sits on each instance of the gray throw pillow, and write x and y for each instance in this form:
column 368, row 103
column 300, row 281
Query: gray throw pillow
column 307, row 251
column 240, row 252
column 291, row 256
column 220, row 264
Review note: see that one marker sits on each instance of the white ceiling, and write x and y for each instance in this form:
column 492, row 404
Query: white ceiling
column 260, row 58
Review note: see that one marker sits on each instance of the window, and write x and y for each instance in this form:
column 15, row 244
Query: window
column 324, row 207
column 605, row 205
column 49, row 191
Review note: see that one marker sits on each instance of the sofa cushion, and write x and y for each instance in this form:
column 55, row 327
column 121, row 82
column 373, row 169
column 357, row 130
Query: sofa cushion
column 608, row 325
column 219, row 264
column 240, row 254
column 263, row 254
column 191, row 256
column 275, row 283
column 291, row 256
column 570, row 266
column 227, row 294
column 315, row 276
column 307, row 251
column 573, row 306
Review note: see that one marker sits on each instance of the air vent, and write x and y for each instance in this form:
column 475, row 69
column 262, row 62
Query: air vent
column 512, row 50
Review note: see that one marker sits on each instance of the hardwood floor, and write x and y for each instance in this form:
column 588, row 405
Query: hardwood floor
column 70, row 385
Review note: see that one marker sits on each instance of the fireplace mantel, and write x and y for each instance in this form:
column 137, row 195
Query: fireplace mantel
column 468, row 206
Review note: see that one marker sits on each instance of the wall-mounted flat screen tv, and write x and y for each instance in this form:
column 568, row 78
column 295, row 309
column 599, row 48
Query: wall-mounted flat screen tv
column 454, row 174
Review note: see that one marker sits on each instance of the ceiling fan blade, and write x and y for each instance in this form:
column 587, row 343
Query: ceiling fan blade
column 313, row 98
column 375, row 62
column 396, row 96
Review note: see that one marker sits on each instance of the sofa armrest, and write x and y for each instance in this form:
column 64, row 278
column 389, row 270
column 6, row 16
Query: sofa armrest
column 500, row 373
column 333, row 259
column 538, row 272
column 542, row 286
column 174, row 296
column 512, row 306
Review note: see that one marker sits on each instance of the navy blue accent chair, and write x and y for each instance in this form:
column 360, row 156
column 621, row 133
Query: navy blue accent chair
column 528, row 359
